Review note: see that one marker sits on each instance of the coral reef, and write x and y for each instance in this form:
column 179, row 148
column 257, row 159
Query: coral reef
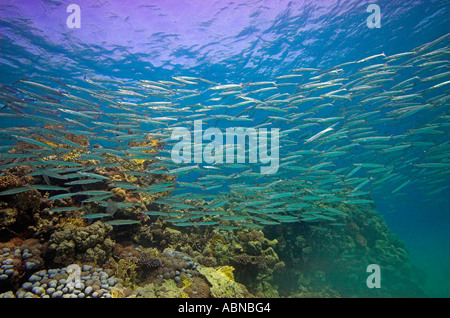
column 149, row 255
column 61, row 283
column 18, row 258
column 165, row 289
column 205, row 282
column 172, row 274
column 89, row 244
column 326, row 261
column 17, row 211
column 222, row 282
column 28, row 212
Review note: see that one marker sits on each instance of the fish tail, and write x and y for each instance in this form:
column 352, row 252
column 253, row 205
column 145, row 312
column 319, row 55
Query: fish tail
column 20, row 80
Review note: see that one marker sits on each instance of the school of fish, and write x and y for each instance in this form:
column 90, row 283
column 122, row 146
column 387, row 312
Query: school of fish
column 336, row 142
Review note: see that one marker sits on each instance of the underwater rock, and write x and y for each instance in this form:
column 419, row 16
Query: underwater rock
column 126, row 271
column 222, row 282
column 138, row 266
column 8, row 216
column 150, row 262
column 210, row 282
column 167, row 289
column 332, row 262
column 89, row 244
column 253, row 248
column 55, row 283
column 289, row 260
column 28, row 212
column 172, row 236
column 196, row 287
column 29, row 202
column 19, row 258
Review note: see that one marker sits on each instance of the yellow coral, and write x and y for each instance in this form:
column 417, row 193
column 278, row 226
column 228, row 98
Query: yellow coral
column 220, row 284
column 187, row 282
column 183, row 295
column 115, row 292
column 78, row 222
column 126, row 270
column 227, row 271
column 139, row 161
column 45, row 141
column 120, row 293
column 8, row 216
column 73, row 155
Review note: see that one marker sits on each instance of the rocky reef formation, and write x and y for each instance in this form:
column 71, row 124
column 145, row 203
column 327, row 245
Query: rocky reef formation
column 333, row 261
column 87, row 245
column 60, row 283
column 148, row 255
column 18, row 258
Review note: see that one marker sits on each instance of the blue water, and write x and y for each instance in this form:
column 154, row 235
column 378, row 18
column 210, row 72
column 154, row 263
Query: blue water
column 235, row 42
